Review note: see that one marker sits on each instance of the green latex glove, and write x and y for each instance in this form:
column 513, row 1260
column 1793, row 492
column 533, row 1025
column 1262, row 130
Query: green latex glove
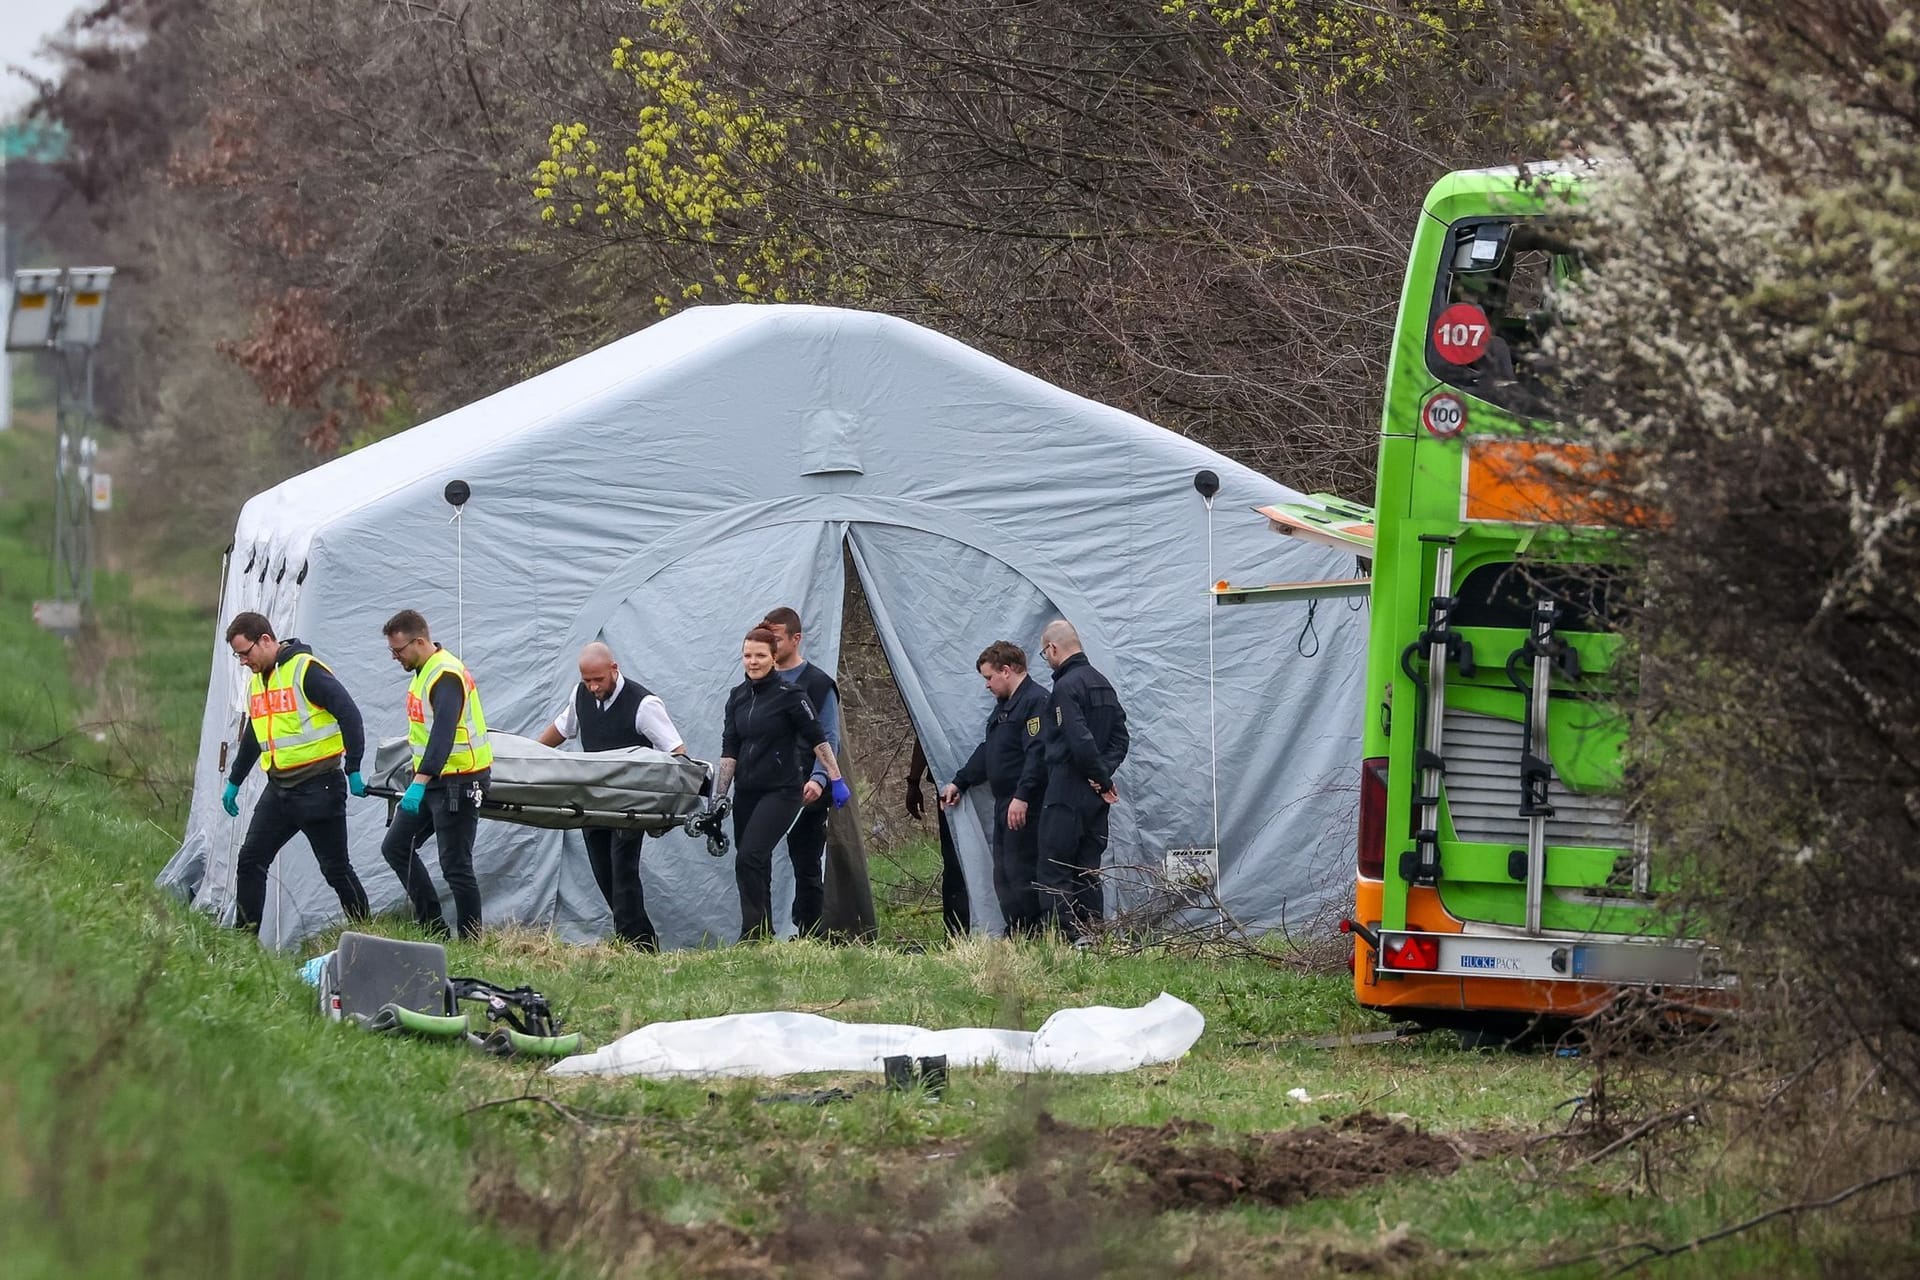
column 230, row 800
column 410, row 802
column 356, row 784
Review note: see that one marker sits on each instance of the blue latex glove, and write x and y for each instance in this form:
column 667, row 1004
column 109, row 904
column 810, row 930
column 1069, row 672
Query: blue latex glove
column 410, row 802
column 841, row 793
column 356, row 784
column 230, row 800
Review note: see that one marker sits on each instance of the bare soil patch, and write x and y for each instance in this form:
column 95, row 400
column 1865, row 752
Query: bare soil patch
column 948, row 1216
column 1282, row 1168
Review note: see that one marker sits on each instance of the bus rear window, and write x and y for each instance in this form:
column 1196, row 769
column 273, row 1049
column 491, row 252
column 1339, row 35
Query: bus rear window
column 1492, row 306
column 1501, row 594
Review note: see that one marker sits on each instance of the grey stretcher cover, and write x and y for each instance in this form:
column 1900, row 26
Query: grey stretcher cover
column 631, row 789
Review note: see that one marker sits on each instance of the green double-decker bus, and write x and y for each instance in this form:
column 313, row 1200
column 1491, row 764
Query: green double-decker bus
column 1499, row 877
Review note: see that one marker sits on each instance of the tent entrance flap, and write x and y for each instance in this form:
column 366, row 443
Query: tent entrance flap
column 932, row 638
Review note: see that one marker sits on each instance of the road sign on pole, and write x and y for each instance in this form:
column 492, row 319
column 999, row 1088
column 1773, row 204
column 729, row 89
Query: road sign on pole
column 58, row 313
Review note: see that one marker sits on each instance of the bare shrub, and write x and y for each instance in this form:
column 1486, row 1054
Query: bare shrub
column 1744, row 350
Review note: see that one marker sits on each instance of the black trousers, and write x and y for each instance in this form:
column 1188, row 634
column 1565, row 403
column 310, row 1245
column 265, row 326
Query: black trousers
column 615, row 856
column 1073, row 839
column 956, row 912
column 807, row 850
column 760, row 818
column 316, row 809
column 1016, row 865
column 450, row 813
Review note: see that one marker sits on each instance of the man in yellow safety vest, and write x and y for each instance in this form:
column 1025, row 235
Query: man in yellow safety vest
column 304, row 727
column 451, row 766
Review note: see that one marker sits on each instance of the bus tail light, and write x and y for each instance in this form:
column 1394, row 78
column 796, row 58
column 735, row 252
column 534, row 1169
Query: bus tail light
column 1371, row 861
column 1411, row 951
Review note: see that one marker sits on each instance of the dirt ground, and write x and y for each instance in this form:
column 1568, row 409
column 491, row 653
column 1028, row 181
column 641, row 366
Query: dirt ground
column 1058, row 1214
column 1282, row 1168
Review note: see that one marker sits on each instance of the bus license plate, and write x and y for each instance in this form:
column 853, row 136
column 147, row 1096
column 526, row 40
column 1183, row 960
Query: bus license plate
column 1636, row 964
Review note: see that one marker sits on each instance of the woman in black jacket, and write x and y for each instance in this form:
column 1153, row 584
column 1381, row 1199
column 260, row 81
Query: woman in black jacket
column 769, row 741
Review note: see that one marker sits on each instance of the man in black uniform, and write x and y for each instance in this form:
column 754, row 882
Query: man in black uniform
column 606, row 712
column 1085, row 739
column 807, row 840
column 1010, row 760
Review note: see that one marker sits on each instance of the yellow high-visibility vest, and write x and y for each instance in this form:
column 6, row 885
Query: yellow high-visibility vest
column 291, row 730
column 471, row 750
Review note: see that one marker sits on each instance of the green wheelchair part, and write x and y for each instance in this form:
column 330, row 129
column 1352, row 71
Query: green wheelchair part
column 392, row 1018
column 504, row 1042
column 507, row 1043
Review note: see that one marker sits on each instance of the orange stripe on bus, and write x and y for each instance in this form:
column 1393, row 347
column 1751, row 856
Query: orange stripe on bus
column 1542, row 482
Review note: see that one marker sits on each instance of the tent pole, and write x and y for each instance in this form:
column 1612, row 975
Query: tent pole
column 1213, row 737
column 459, row 581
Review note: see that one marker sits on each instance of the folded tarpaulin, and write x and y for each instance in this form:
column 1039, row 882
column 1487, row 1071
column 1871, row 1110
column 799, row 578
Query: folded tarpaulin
column 1096, row 1040
column 633, row 788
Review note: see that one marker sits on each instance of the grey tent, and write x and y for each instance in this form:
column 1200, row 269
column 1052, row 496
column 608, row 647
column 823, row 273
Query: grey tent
column 662, row 492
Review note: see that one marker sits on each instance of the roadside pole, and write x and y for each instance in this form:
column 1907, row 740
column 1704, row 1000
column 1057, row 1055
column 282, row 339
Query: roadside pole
column 57, row 312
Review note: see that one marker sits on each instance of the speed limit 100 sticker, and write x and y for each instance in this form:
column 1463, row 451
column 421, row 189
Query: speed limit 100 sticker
column 1462, row 333
column 1444, row 416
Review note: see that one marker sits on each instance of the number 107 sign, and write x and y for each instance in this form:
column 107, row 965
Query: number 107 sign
column 1462, row 333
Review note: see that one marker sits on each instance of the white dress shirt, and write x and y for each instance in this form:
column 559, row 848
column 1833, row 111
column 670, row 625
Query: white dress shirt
column 649, row 718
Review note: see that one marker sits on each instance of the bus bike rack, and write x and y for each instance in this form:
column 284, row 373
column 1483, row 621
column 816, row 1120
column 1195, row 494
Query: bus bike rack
column 1421, row 865
column 1547, row 651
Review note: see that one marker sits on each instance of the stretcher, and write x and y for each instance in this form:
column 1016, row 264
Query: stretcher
column 630, row 789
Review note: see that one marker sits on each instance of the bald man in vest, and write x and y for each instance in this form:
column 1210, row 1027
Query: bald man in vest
column 303, row 724
column 607, row 711
column 452, row 764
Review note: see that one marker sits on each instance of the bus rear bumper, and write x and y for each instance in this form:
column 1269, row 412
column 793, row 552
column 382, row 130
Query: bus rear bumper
column 1468, row 967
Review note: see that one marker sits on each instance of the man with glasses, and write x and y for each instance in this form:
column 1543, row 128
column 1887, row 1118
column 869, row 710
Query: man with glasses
column 452, row 764
column 303, row 724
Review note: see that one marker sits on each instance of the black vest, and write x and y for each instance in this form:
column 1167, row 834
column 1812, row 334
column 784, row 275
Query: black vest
column 612, row 728
column 816, row 684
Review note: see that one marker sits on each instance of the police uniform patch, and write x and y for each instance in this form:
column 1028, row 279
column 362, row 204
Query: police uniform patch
column 1033, row 727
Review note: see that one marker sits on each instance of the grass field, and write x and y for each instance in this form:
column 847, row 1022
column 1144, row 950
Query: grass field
column 171, row 1105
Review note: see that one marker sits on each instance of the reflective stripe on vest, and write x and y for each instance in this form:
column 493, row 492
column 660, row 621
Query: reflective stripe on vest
column 291, row 730
column 471, row 750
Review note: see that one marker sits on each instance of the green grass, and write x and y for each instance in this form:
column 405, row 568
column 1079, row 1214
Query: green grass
column 171, row 1104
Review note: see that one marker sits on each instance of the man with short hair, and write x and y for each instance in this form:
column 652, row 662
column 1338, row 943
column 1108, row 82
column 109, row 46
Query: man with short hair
column 304, row 725
column 1085, row 739
column 452, row 764
column 607, row 711
column 807, row 840
column 1011, row 761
